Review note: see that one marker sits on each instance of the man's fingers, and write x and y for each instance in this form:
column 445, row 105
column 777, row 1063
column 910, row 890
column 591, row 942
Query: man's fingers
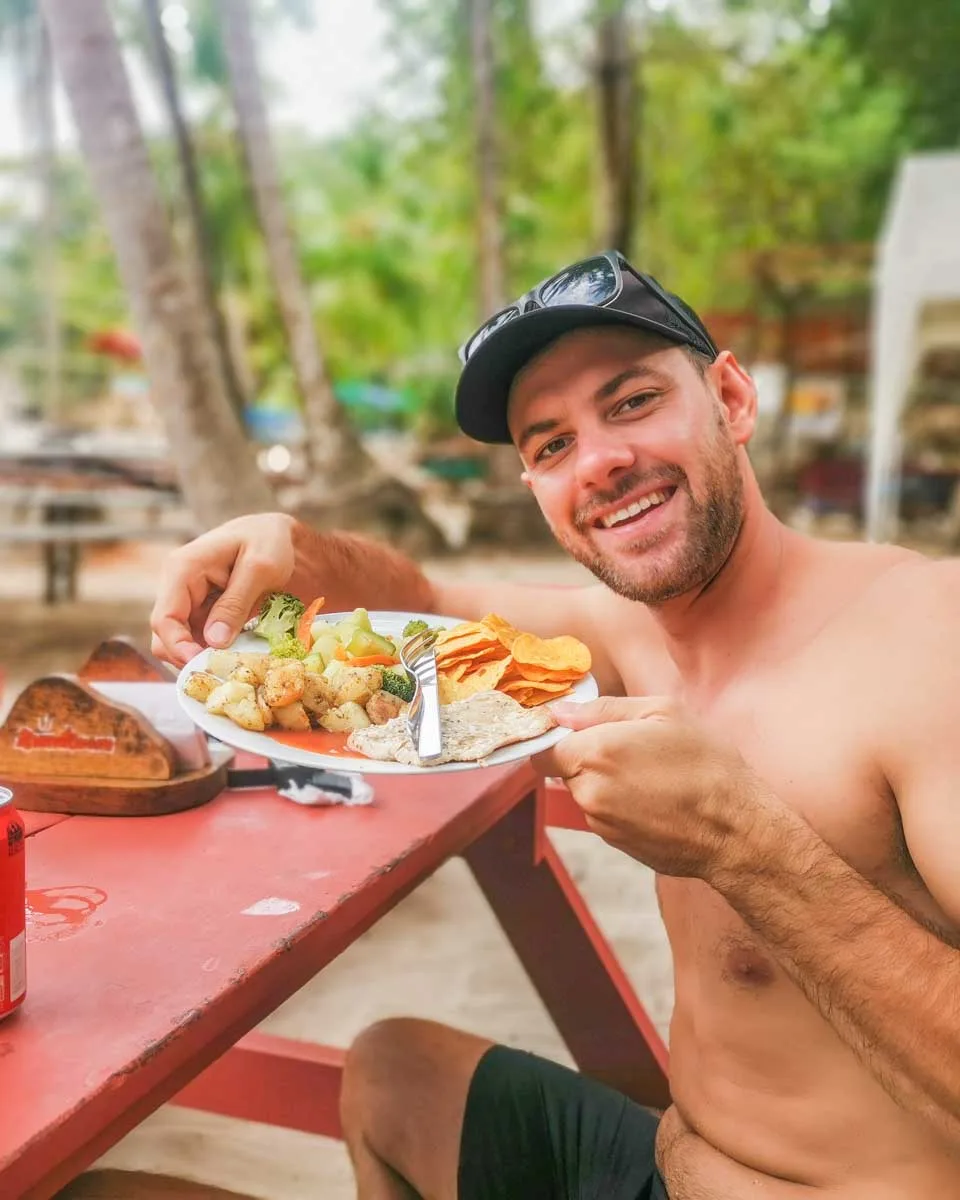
column 560, row 761
column 173, row 639
column 251, row 578
column 177, row 647
column 609, row 708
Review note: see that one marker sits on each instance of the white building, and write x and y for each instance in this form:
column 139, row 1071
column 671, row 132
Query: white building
column 916, row 312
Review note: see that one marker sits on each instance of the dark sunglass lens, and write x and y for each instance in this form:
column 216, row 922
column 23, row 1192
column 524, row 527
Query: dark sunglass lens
column 591, row 282
column 491, row 327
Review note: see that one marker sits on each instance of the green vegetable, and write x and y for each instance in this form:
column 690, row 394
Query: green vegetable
column 288, row 647
column 325, row 645
column 412, row 627
column 365, row 642
column 359, row 619
column 398, row 683
column 314, row 663
column 278, row 620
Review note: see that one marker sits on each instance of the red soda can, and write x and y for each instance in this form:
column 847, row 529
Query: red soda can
column 13, row 892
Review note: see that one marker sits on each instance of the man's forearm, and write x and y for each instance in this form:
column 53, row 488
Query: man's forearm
column 353, row 571
column 890, row 987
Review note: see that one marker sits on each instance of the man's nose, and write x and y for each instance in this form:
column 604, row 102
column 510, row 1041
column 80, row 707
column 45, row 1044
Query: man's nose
column 601, row 454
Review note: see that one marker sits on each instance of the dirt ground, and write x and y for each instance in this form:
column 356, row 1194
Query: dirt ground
column 439, row 954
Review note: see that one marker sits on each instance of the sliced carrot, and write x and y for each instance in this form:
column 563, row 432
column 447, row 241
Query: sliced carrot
column 340, row 653
column 304, row 635
column 374, row 660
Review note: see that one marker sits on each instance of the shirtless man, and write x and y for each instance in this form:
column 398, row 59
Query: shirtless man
column 779, row 738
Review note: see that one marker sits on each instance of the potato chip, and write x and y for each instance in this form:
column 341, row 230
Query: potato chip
column 473, row 654
column 559, row 654
column 492, row 653
column 547, row 686
column 501, row 628
column 467, row 631
column 536, row 674
column 530, row 696
column 484, row 679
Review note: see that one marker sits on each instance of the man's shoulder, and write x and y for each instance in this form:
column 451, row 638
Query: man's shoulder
column 907, row 617
column 912, row 584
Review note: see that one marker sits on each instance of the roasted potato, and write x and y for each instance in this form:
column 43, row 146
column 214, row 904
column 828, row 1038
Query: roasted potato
column 244, row 674
column 224, row 662
column 284, row 682
column 222, row 695
column 265, row 710
column 292, row 716
column 238, row 701
column 345, row 718
column 353, row 683
column 383, row 707
column 318, row 694
column 200, row 684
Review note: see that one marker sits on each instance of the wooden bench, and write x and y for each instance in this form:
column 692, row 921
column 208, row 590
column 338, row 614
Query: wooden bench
column 63, row 520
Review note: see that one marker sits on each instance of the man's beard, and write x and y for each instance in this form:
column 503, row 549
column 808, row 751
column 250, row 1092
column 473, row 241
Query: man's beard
column 713, row 526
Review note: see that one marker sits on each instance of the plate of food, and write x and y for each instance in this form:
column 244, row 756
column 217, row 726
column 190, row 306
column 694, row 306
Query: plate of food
column 328, row 690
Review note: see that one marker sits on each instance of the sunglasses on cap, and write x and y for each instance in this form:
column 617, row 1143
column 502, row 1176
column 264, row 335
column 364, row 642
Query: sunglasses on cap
column 604, row 280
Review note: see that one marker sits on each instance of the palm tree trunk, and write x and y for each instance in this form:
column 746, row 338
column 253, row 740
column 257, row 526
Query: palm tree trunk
column 215, row 463
column 333, row 449
column 617, row 102
column 49, row 258
column 198, row 236
column 489, row 229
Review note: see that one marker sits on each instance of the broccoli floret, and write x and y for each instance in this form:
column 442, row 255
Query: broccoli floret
column 278, row 618
column 412, row 627
column 398, row 683
column 288, row 647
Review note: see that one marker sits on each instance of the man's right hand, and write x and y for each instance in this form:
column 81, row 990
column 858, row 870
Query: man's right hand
column 212, row 586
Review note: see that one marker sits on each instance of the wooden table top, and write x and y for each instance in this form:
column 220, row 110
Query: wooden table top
column 154, row 943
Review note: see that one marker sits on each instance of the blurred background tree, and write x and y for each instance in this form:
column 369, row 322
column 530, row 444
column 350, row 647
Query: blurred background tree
column 742, row 150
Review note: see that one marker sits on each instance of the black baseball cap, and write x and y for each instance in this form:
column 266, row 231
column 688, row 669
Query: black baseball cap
column 602, row 290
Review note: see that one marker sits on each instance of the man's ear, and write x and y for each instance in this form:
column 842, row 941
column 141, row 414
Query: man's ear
column 737, row 394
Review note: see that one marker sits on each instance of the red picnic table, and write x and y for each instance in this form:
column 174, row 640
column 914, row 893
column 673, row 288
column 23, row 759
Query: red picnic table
column 156, row 944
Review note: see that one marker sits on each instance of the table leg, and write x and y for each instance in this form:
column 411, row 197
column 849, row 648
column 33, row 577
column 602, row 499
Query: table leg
column 569, row 961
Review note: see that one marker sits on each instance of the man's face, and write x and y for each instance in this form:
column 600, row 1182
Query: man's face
column 626, row 448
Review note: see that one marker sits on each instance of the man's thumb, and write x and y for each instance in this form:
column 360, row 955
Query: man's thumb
column 607, row 709
column 234, row 608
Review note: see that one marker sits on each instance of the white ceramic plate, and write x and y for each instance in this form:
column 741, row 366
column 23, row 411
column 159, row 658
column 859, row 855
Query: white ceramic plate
column 391, row 625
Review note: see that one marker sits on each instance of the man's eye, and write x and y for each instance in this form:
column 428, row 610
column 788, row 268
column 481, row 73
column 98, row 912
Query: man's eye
column 632, row 403
column 554, row 446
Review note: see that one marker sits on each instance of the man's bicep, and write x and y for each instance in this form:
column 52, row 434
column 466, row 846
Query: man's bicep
column 928, row 797
column 921, row 761
column 544, row 610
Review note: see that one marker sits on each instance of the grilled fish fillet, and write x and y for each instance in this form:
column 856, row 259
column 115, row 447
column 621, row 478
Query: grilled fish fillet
column 472, row 729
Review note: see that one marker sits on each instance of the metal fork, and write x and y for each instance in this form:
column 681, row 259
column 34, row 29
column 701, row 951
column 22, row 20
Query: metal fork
column 423, row 717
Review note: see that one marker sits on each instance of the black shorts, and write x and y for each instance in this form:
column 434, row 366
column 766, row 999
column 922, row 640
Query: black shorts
column 533, row 1130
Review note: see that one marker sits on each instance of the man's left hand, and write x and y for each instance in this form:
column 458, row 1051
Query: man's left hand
column 652, row 782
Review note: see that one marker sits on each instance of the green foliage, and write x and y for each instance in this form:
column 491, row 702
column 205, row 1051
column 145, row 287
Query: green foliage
column 917, row 47
column 763, row 127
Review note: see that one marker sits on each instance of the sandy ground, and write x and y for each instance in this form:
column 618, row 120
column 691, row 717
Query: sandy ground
column 439, row 954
